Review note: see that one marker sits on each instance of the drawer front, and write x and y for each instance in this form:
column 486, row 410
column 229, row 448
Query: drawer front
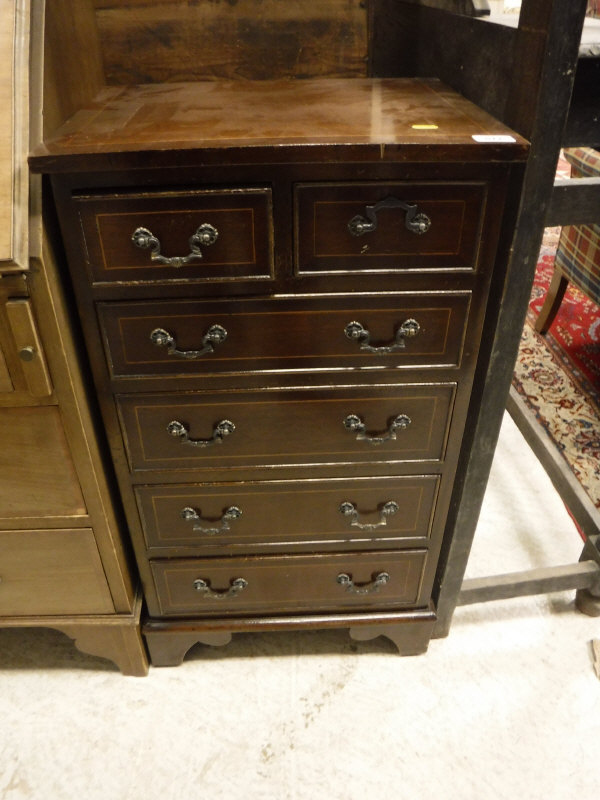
column 288, row 513
column 188, row 337
column 116, row 250
column 205, row 587
column 52, row 572
column 233, row 430
column 38, row 477
column 328, row 239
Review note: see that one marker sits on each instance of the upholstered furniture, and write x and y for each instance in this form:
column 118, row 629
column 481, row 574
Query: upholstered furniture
column 578, row 254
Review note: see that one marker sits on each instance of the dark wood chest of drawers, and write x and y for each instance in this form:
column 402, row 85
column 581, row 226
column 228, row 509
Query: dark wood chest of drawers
column 284, row 315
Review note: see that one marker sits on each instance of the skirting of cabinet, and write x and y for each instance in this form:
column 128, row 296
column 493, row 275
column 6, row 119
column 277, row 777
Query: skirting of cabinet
column 116, row 637
column 169, row 641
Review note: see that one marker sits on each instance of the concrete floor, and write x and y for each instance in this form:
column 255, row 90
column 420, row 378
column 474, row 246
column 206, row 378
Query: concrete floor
column 508, row 706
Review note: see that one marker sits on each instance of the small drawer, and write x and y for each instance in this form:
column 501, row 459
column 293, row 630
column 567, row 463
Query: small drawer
column 269, row 428
column 274, row 515
column 204, row 236
column 52, row 572
column 279, row 585
column 366, row 227
column 216, row 337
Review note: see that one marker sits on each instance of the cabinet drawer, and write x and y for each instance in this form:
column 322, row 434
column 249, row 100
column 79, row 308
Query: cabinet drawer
column 288, row 513
column 51, row 572
column 38, row 477
column 241, row 221
column 189, row 337
column 327, row 238
column 289, row 584
column 231, row 430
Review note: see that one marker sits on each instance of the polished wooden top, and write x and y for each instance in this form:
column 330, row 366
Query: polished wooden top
column 379, row 119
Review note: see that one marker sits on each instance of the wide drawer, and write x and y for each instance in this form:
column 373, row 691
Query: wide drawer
column 273, row 427
column 277, row 514
column 204, row 235
column 331, row 234
column 190, row 337
column 46, row 572
column 288, row 584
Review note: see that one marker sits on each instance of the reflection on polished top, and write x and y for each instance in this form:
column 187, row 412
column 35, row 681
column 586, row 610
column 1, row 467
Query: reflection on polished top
column 240, row 114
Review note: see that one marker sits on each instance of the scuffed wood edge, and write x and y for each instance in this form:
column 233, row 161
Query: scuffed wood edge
column 13, row 155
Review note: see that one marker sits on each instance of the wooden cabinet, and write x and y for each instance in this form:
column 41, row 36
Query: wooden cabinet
column 283, row 289
column 64, row 563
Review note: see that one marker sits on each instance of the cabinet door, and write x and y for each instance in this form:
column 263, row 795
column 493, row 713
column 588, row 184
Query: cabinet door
column 24, row 375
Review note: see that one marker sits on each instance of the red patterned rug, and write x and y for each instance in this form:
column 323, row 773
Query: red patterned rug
column 559, row 375
column 574, row 336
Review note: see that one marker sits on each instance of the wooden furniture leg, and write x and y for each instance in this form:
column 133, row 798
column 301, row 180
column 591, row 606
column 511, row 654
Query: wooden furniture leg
column 115, row 637
column 410, row 639
column 120, row 643
column 587, row 600
column 168, row 649
column 556, row 292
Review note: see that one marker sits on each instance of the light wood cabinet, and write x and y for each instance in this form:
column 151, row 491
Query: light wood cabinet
column 63, row 561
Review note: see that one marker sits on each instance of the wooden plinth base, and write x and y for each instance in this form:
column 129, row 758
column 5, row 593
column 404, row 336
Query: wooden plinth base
column 116, row 637
column 169, row 641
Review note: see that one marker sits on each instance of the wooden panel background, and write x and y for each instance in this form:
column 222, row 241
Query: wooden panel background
column 73, row 73
column 144, row 41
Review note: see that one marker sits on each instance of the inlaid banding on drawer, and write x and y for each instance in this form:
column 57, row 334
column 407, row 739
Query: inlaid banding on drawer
column 269, row 428
column 329, row 241
column 285, row 513
column 180, row 337
column 233, row 586
column 210, row 235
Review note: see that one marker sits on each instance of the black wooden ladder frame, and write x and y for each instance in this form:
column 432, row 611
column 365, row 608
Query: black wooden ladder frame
column 525, row 77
